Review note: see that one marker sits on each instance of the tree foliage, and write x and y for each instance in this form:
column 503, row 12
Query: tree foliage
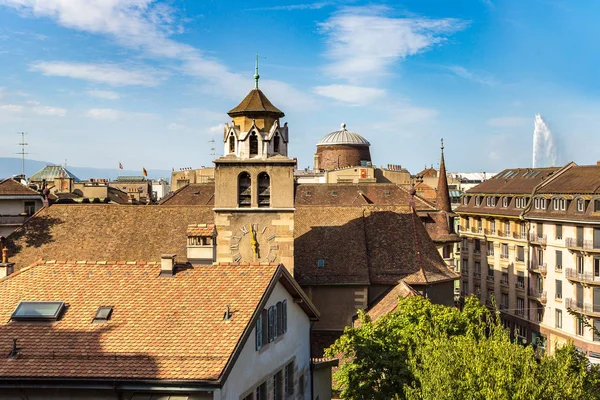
column 426, row 351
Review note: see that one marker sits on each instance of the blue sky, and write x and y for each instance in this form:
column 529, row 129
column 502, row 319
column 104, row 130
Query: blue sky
column 148, row 83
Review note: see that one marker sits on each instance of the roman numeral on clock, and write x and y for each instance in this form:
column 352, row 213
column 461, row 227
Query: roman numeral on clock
column 237, row 257
column 244, row 229
column 235, row 246
column 270, row 238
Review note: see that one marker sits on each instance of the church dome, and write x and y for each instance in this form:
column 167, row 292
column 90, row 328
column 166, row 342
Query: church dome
column 343, row 137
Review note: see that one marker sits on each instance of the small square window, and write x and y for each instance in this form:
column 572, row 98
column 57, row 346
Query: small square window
column 103, row 314
column 321, row 263
column 334, row 193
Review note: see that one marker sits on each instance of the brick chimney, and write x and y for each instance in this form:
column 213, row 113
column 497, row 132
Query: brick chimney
column 167, row 264
column 6, row 268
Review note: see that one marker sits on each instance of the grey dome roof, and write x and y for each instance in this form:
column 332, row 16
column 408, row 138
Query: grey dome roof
column 343, row 136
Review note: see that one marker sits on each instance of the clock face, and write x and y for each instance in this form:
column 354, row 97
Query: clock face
column 253, row 242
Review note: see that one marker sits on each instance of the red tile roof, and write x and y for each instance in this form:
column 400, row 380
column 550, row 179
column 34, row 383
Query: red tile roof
column 160, row 328
column 10, row 187
column 104, row 231
column 201, row 229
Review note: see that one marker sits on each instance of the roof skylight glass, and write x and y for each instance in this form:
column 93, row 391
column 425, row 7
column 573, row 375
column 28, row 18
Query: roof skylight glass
column 37, row 310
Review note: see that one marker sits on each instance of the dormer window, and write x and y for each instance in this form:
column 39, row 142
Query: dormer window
column 597, row 205
column 539, row 203
column 465, row 200
column 477, row 201
column 490, row 201
column 253, row 144
column 505, row 202
column 559, row 204
column 276, row 143
column 232, row 144
column 580, row 205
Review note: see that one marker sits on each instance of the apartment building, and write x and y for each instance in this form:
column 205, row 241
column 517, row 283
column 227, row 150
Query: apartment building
column 496, row 250
column 565, row 241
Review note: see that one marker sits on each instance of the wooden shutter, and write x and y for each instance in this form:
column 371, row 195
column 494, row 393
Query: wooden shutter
column 271, row 324
column 279, row 319
column 284, row 316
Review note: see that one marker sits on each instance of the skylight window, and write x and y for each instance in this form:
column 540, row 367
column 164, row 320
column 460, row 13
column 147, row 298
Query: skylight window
column 103, row 314
column 38, row 311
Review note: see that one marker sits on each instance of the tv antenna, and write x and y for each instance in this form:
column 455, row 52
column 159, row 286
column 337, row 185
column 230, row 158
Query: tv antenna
column 22, row 152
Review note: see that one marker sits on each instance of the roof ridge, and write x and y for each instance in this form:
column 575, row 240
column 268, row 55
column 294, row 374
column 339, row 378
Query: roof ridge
column 95, row 262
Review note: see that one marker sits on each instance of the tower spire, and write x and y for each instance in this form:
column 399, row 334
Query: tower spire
column 442, row 197
column 256, row 75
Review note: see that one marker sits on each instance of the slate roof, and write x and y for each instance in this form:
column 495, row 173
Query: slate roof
column 578, row 179
column 438, row 226
column 362, row 245
column 104, row 231
column 10, row 187
column 199, row 194
column 49, row 172
column 255, row 102
column 514, row 181
column 160, row 328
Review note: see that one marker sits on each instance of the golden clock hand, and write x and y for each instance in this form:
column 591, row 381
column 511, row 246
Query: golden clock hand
column 253, row 241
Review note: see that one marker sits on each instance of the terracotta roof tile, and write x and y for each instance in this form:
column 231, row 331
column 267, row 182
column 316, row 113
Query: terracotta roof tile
column 104, row 231
column 192, row 194
column 156, row 330
column 389, row 301
column 201, row 229
column 10, row 187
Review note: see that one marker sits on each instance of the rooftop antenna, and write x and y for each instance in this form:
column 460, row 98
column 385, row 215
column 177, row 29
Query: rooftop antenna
column 22, row 152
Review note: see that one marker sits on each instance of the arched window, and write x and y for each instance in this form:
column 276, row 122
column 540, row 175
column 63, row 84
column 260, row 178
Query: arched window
column 253, row 144
column 276, row 143
column 231, row 144
column 244, row 190
column 264, row 190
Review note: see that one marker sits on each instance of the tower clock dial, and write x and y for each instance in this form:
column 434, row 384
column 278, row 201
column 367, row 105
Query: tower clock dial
column 252, row 242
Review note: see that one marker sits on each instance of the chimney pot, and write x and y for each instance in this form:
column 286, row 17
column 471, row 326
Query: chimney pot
column 167, row 264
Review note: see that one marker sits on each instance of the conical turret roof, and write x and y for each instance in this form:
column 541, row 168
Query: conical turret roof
column 442, row 198
column 256, row 102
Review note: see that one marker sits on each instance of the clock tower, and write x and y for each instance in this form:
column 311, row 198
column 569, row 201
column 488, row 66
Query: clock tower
column 254, row 185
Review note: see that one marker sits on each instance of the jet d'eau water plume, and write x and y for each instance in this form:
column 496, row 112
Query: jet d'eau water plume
column 545, row 150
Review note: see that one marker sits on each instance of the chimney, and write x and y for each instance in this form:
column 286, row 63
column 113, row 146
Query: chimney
column 6, row 268
column 167, row 264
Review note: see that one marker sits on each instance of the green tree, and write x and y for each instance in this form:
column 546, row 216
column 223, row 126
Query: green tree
column 425, row 351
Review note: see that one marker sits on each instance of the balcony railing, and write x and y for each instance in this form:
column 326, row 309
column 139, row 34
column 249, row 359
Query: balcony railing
column 520, row 236
column 477, row 275
column 464, row 271
column 503, row 256
column 504, row 280
column 13, row 219
column 519, row 313
column 585, row 308
column 520, row 285
column 501, row 233
column 490, row 278
column 488, row 232
column 538, row 268
column 537, row 295
column 535, row 239
column 586, row 277
column 580, row 244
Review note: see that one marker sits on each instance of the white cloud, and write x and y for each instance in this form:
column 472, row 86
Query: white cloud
column 111, row 74
column 510, row 122
column 365, row 41
column 354, row 95
column 109, row 114
column 216, row 128
column 12, row 108
column 49, row 111
column 462, row 72
column 294, row 7
column 144, row 25
column 104, row 94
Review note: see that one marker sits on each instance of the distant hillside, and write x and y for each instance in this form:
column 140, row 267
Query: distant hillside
column 10, row 166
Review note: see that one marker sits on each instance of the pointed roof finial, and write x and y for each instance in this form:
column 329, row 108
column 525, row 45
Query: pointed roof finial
column 256, row 75
column 442, row 145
